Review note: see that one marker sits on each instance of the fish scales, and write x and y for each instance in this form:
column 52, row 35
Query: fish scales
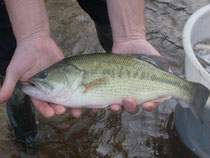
column 128, row 77
column 98, row 80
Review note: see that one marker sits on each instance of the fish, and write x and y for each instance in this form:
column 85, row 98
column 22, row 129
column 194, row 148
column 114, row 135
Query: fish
column 202, row 53
column 98, row 80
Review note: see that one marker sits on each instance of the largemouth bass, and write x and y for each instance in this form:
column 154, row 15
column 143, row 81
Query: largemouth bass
column 98, row 80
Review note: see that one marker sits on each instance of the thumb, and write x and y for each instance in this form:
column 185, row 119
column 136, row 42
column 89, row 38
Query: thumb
column 8, row 86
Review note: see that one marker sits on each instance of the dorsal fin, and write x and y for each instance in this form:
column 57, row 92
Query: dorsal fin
column 155, row 60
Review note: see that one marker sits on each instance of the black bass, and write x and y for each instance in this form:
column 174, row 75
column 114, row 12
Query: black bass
column 98, row 80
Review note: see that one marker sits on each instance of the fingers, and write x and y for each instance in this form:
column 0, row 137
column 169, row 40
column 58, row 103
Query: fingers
column 58, row 109
column 8, row 86
column 94, row 110
column 46, row 109
column 149, row 106
column 49, row 110
column 116, row 108
column 76, row 112
column 43, row 107
column 130, row 106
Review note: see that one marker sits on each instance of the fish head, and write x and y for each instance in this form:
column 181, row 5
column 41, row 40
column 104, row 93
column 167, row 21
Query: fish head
column 55, row 84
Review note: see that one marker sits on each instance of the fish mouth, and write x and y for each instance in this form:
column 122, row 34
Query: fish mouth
column 36, row 86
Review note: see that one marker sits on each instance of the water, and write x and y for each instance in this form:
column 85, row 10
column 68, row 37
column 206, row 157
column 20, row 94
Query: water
column 104, row 134
column 202, row 51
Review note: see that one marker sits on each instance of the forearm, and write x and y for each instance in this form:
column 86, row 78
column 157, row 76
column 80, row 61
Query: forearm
column 127, row 19
column 29, row 18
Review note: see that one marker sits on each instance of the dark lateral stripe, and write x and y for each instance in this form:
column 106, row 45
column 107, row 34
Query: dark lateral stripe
column 153, row 77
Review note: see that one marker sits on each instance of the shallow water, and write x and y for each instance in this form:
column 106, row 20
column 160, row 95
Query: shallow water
column 104, row 134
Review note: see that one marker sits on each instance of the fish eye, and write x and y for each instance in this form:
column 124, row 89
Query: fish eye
column 43, row 75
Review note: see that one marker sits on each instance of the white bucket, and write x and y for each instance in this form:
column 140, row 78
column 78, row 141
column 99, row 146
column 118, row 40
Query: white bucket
column 196, row 30
column 195, row 135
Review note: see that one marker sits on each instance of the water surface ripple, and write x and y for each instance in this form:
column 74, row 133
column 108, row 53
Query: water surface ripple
column 104, row 134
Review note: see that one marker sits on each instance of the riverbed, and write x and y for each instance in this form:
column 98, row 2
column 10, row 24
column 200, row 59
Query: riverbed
column 105, row 134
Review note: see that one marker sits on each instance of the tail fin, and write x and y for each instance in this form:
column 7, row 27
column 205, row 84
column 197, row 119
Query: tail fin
column 198, row 105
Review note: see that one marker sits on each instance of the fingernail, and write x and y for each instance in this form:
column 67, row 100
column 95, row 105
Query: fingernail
column 129, row 105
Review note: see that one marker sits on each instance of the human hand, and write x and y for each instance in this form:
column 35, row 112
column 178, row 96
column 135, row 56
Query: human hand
column 129, row 37
column 30, row 57
column 137, row 46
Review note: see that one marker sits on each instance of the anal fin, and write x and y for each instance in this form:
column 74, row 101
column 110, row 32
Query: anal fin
column 184, row 104
column 161, row 99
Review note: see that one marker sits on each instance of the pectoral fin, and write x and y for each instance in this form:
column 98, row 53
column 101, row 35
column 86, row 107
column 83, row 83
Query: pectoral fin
column 95, row 83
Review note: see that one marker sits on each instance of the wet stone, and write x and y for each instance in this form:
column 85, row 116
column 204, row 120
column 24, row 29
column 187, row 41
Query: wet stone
column 104, row 134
